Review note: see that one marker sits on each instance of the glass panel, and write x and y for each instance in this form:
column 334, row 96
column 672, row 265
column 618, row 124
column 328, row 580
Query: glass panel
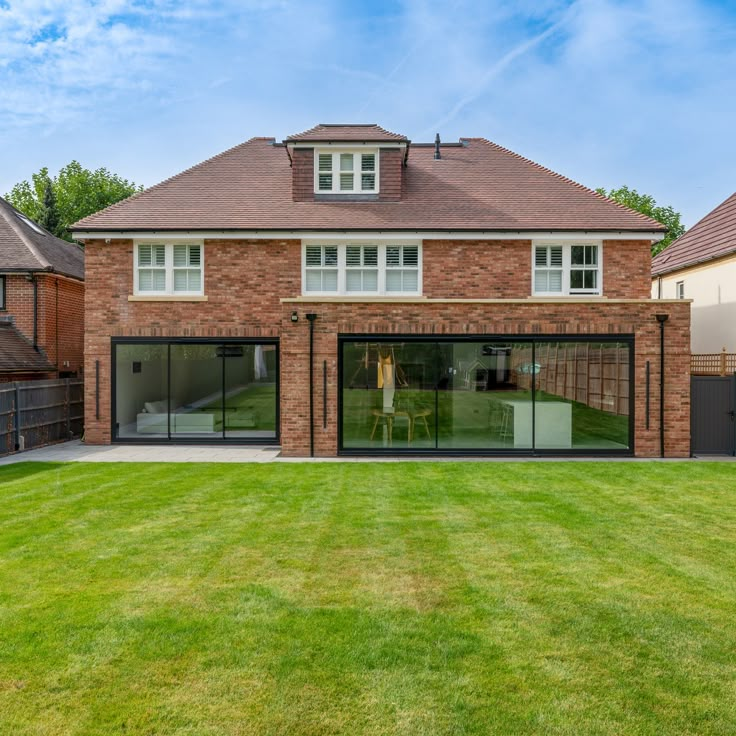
column 195, row 280
column 141, row 391
column 196, row 391
column 368, row 162
column 144, row 255
column 329, row 281
column 411, row 255
column 314, row 281
column 591, row 279
column 388, row 391
column 314, row 255
column 368, row 182
column 325, row 162
column 484, row 396
column 353, row 281
column 180, row 255
column 352, row 255
column 370, row 280
column 576, row 279
column 555, row 255
column 554, row 281
column 540, row 255
column 393, row 280
column 346, row 162
column 250, row 405
column 540, row 281
column 411, row 281
column 325, row 181
column 346, row 182
column 330, row 255
column 582, row 398
column 180, row 280
column 370, row 255
column 577, row 255
column 393, row 255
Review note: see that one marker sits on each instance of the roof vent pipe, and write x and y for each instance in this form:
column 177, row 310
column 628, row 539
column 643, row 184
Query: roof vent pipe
column 437, row 155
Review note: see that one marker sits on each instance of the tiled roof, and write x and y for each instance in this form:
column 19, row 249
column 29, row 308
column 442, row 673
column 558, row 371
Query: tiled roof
column 25, row 246
column 475, row 186
column 369, row 132
column 17, row 354
column 713, row 237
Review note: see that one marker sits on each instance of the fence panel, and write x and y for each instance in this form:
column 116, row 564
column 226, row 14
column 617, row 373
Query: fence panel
column 37, row 413
column 713, row 364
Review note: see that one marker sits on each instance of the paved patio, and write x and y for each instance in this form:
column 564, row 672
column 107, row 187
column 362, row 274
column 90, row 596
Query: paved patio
column 77, row 451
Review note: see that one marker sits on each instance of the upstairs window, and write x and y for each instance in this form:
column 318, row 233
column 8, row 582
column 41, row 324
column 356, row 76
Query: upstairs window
column 346, row 172
column 168, row 269
column 362, row 269
column 566, row 269
column 680, row 289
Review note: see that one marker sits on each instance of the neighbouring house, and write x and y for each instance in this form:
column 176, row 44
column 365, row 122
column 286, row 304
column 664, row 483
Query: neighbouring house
column 346, row 291
column 701, row 266
column 41, row 301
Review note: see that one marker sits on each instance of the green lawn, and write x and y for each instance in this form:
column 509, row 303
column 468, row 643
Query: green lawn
column 412, row 598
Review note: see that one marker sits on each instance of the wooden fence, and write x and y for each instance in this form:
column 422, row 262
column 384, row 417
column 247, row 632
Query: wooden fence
column 594, row 374
column 713, row 364
column 37, row 413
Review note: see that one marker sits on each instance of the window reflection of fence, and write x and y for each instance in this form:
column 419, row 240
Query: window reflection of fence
column 713, row 364
column 594, row 374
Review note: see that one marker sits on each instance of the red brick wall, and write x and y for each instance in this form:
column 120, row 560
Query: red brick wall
column 245, row 281
column 60, row 316
column 302, row 174
column 627, row 269
column 514, row 318
column 391, row 173
column 502, row 269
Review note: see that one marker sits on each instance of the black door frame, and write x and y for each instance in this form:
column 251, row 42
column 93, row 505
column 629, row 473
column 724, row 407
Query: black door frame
column 115, row 341
column 533, row 339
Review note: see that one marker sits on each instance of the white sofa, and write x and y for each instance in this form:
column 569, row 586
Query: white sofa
column 154, row 420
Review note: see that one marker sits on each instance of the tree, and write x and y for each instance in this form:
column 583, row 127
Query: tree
column 78, row 192
column 49, row 214
column 647, row 205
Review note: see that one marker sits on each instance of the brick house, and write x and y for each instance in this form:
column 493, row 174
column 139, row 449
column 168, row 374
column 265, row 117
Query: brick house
column 701, row 266
column 348, row 291
column 41, row 301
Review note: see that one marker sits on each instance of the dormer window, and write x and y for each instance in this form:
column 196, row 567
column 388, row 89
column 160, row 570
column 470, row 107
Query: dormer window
column 346, row 172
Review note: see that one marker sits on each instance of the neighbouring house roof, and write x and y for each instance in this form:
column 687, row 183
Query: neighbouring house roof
column 713, row 237
column 368, row 133
column 26, row 246
column 476, row 185
column 17, row 354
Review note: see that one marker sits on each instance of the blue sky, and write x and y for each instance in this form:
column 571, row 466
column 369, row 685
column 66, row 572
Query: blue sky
column 607, row 92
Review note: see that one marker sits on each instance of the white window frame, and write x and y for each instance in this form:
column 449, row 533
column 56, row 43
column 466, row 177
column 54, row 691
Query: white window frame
column 341, row 290
column 680, row 289
column 567, row 267
column 336, row 152
column 168, row 266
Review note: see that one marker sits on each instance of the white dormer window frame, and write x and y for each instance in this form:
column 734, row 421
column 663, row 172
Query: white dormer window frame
column 567, row 268
column 340, row 170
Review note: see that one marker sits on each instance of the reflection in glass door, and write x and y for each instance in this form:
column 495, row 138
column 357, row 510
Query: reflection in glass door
column 482, row 405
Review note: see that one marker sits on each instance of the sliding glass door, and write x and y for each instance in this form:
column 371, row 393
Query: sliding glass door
column 195, row 390
column 486, row 395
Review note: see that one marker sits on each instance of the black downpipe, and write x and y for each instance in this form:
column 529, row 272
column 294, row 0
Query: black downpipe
column 311, row 317
column 661, row 318
column 648, row 381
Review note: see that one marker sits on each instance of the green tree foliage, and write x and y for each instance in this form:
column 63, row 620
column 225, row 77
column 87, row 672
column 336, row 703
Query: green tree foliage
column 647, row 205
column 49, row 216
column 78, row 192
